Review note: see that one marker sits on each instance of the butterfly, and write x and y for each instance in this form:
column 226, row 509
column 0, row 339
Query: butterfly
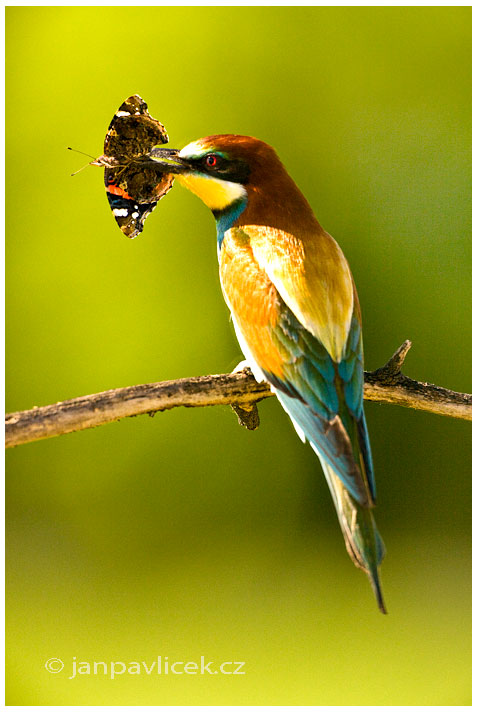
column 133, row 186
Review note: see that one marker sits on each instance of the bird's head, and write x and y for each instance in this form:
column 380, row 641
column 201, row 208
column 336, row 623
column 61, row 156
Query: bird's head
column 234, row 175
column 220, row 169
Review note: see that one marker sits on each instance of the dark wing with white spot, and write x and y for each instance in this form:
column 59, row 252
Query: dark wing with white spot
column 132, row 189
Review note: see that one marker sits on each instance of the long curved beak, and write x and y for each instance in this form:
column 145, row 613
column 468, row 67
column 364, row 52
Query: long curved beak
column 165, row 159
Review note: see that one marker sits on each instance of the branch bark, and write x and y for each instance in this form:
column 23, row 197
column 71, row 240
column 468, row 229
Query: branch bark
column 240, row 390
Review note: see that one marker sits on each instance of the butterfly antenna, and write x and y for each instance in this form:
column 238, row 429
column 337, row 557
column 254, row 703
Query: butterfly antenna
column 69, row 148
column 83, row 154
column 79, row 169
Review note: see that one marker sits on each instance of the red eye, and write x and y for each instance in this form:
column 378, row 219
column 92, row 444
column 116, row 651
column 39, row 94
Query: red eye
column 211, row 160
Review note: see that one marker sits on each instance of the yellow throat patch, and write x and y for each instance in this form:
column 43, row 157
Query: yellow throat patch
column 217, row 194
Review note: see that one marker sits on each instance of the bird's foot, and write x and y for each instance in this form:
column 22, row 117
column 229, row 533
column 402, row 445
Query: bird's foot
column 242, row 366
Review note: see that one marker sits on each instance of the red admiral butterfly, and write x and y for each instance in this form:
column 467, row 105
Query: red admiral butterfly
column 133, row 187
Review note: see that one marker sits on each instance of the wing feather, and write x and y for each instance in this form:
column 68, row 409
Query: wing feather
column 322, row 396
column 313, row 278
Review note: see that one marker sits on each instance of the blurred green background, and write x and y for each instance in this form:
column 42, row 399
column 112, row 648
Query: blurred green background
column 185, row 535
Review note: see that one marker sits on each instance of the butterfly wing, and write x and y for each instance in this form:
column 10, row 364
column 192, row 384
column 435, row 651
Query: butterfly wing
column 132, row 189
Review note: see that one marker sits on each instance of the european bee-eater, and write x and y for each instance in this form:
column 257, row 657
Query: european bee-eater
column 296, row 314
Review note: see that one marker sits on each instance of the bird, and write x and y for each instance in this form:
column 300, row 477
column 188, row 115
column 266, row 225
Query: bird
column 296, row 314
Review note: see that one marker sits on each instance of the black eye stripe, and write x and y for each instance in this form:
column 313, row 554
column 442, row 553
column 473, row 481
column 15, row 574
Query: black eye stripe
column 214, row 161
column 231, row 169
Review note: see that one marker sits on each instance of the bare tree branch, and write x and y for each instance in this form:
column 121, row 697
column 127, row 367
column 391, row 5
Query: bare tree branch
column 386, row 384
